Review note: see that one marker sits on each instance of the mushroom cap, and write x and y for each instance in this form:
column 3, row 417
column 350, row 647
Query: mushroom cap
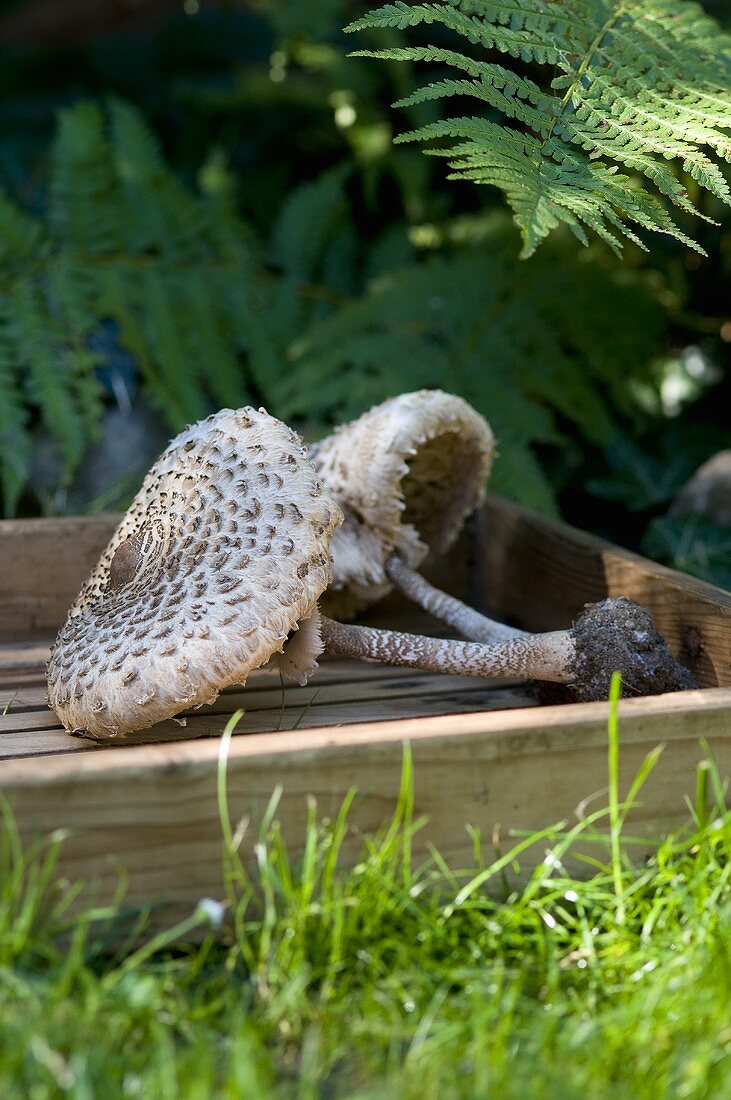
column 406, row 475
column 222, row 553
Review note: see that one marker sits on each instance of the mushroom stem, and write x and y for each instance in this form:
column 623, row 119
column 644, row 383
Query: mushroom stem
column 465, row 620
column 613, row 635
column 534, row 657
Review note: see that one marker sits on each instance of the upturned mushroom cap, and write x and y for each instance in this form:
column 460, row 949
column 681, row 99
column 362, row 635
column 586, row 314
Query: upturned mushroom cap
column 223, row 552
column 406, row 475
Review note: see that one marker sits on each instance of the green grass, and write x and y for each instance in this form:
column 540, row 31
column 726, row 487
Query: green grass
column 401, row 977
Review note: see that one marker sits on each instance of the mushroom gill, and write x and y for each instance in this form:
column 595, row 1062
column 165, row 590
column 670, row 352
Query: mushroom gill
column 406, row 474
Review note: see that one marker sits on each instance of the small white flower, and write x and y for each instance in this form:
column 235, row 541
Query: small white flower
column 212, row 911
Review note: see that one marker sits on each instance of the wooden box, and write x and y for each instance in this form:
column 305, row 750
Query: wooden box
column 484, row 755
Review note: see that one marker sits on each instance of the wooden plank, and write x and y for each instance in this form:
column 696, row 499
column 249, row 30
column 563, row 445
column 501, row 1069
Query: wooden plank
column 23, row 657
column 539, row 573
column 153, row 809
column 43, row 563
column 30, row 700
column 37, row 734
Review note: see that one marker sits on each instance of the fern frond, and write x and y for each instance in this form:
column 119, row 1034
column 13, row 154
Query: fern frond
column 126, row 248
column 178, row 370
column 85, row 196
column 52, row 379
column 641, row 86
column 118, row 295
column 507, row 342
column 22, row 238
column 15, row 441
column 210, row 338
column 161, row 214
column 529, row 32
column 309, row 218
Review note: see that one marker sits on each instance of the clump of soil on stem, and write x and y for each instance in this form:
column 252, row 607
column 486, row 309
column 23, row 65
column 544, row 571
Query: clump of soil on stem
column 618, row 634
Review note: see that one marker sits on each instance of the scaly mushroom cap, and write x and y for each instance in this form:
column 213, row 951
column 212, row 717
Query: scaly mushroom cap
column 406, row 475
column 223, row 552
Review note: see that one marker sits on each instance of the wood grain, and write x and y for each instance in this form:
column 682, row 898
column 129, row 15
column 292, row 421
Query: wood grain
column 29, row 704
column 339, row 692
column 43, row 563
column 32, row 734
column 153, row 809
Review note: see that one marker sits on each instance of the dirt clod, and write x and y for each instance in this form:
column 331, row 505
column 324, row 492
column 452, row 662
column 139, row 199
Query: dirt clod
column 619, row 635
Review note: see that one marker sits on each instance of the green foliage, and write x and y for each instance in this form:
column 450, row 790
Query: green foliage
column 123, row 242
column 518, row 342
column 213, row 318
column 641, row 479
column 112, row 260
column 573, row 961
column 595, row 86
column 644, row 477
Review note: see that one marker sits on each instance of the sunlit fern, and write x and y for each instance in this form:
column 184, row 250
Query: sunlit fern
column 594, row 86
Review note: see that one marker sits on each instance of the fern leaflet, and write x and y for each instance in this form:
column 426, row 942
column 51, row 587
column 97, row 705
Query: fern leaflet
column 641, row 86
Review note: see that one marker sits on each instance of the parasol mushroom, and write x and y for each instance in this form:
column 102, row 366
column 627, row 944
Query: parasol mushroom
column 214, row 571
column 406, row 475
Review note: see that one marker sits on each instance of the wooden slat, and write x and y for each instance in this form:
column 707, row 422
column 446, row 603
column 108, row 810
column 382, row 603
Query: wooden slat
column 539, row 573
column 23, row 657
column 43, row 563
column 16, row 709
column 33, row 739
column 378, row 695
column 34, row 729
column 153, row 809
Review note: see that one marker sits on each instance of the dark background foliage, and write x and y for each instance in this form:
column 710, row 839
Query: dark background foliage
column 353, row 269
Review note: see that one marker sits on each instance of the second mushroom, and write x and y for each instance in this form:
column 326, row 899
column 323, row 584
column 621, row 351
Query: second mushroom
column 407, row 474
